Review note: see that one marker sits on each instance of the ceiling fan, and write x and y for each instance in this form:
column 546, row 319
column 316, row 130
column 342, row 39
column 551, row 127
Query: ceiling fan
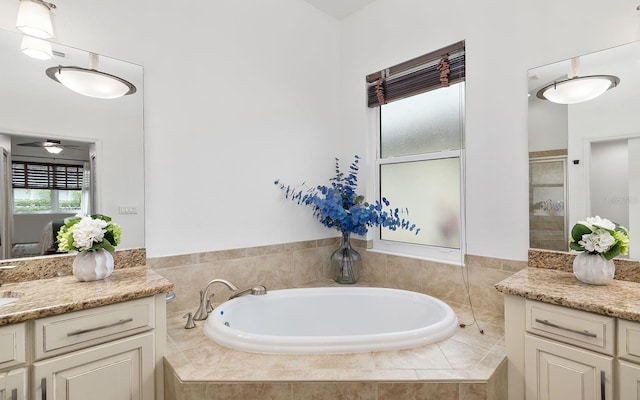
column 50, row 145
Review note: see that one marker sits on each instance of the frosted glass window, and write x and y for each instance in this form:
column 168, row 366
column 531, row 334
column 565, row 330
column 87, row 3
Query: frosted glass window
column 430, row 190
column 423, row 123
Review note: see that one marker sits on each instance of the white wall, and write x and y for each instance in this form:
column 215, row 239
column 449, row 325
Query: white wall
column 249, row 91
column 503, row 40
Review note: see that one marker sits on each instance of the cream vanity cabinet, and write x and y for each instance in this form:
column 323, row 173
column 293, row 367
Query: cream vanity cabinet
column 556, row 352
column 100, row 353
column 629, row 359
column 13, row 373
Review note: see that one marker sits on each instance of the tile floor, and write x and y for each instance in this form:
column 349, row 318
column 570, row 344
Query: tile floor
column 468, row 365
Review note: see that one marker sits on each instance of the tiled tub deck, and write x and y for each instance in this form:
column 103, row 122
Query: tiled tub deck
column 469, row 366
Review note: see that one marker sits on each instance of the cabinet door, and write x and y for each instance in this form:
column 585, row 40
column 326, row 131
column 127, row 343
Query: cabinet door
column 119, row 370
column 629, row 381
column 555, row 371
column 13, row 384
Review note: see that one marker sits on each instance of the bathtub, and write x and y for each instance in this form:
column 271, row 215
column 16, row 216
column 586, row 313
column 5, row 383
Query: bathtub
column 330, row 320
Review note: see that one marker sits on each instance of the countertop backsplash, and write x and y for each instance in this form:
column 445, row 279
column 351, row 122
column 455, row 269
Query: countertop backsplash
column 626, row 270
column 33, row 268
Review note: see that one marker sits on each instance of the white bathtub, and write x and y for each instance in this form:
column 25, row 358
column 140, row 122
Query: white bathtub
column 330, row 320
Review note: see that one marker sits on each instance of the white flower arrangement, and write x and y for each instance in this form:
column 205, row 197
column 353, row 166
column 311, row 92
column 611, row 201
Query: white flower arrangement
column 600, row 236
column 88, row 233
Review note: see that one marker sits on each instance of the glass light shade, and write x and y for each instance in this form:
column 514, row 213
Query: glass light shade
column 36, row 48
column 578, row 89
column 54, row 149
column 34, row 19
column 90, row 82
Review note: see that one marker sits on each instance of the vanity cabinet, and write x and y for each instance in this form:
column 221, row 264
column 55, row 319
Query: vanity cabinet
column 555, row 352
column 111, row 352
column 101, row 353
column 13, row 356
column 122, row 369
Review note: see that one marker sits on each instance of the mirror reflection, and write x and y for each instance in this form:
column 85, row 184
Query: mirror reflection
column 584, row 158
column 101, row 142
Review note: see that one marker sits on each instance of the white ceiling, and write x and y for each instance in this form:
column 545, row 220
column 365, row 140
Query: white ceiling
column 339, row 8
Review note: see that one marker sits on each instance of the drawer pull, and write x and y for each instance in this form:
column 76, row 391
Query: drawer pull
column 14, row 394
column 97, row 328
column 43, row 384
column 547, row 323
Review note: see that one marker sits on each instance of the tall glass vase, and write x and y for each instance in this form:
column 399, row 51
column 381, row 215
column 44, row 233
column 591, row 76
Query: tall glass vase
column 346, row 262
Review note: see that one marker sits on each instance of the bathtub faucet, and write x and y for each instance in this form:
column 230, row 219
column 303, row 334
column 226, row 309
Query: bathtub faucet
column 254, row 291
column 202, row 312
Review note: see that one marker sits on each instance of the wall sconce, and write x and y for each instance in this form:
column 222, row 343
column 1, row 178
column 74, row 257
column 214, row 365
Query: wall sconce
column 577, row 89
column 91, row 82
column 36, row 48
column 35, row 18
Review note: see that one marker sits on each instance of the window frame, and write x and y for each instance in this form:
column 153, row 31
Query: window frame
column 444, row 255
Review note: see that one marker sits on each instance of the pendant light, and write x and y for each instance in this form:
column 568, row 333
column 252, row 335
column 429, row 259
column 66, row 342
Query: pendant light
column 35, row 18
column 36, row 48
column 91, row 82
column 577, row 89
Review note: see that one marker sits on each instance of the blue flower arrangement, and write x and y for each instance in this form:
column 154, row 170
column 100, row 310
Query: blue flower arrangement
column 339, row 206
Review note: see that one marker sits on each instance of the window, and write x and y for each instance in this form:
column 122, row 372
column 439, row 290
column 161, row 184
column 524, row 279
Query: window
column 46, row 188
column 420, row 152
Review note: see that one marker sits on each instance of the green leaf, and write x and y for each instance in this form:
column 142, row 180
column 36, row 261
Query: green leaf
column 614, row 251
column 575, row 246
column 579, row 230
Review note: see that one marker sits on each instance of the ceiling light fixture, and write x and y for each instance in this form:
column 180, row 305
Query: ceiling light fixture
column 36, row 48
column 35, row 18
column 54, row 149
column 91, row 82
column 577, row 89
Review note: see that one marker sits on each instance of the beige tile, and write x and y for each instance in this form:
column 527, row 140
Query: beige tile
column 375, row 375
column 483, row 292
column 461, row 355
column 308, row 264
column 248, row 391
column 309, row 244
column 171, row 261
column 418, row 391
column 491, row 334
column 405, row 273
column 221, row 255
column 334, row 391
column 497, row 385
column 473, row 391
column 191, row 391
column 374, row 268
column 444, row 282
column 264, row 250
column 424, row 357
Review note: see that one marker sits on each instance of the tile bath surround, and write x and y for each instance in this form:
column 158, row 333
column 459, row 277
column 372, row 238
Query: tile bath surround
column 466, row 366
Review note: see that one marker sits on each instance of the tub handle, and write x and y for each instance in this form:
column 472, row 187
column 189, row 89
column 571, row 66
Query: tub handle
column 551, row 324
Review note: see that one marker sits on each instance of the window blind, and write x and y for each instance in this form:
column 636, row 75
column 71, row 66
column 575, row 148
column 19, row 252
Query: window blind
column 428, row 72
column 31, row 175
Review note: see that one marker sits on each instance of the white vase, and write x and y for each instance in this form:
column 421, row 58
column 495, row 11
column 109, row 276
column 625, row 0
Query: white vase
column 92, row 265
column 593, row 269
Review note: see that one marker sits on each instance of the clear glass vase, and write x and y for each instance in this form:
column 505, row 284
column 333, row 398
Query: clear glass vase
column 346, row 262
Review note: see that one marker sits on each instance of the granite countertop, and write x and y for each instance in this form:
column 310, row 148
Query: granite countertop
column 45, row 297
column 620, row 299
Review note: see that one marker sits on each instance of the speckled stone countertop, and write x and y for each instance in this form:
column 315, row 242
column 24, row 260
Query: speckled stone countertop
column 46, row 297
column 620, row 299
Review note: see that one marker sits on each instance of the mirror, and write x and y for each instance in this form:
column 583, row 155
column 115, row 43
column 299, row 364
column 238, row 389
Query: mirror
column 584, row 158
column 110, row 133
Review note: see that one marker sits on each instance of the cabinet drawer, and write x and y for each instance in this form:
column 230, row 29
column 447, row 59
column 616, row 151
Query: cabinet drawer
column 580, row 328
column 76, row 330
column 12, row 345
column 629, row 340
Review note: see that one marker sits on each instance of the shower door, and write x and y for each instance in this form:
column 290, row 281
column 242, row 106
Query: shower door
column 547, row 203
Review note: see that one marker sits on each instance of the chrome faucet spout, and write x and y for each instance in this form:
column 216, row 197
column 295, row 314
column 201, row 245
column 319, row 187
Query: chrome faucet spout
column 202, row 313
column 254, row 291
